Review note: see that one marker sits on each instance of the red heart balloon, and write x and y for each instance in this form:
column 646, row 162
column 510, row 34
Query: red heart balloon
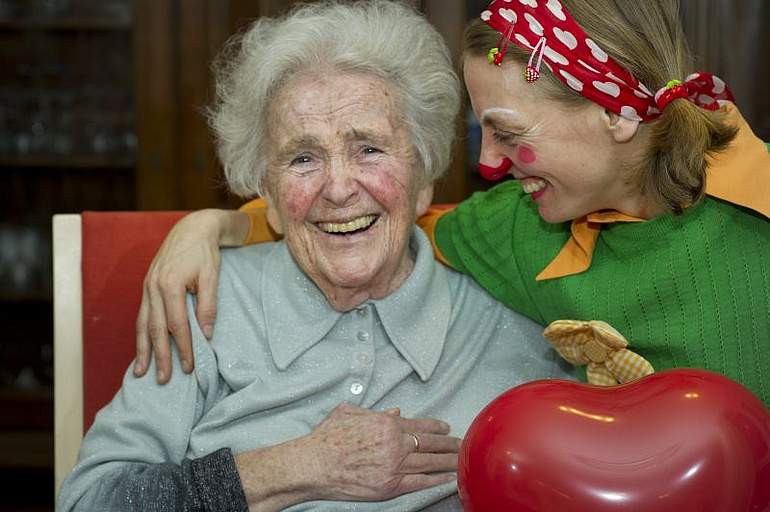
column 678, row 440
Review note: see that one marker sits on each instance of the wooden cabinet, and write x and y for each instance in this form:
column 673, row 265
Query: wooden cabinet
column 100, row 108
column 67, row 143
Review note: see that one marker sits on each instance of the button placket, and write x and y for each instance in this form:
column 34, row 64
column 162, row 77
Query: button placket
column 361, row 352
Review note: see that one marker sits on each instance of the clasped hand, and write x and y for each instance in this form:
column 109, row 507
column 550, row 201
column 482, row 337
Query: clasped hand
column 372, row 456
column 354, row 454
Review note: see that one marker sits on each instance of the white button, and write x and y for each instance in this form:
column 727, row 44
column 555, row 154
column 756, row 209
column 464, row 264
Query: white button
column 363, row 358
column 363, row 335
column 361, row 312
column 356, row 388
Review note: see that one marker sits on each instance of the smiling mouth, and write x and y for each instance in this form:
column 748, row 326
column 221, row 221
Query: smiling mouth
column 357, row 225
column 530, row 186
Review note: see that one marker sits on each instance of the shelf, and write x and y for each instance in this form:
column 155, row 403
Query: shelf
column 25, row 297
column 32, row 409
column 26, row 435
column 26, row 449
column 69, row 162
column 66, row 23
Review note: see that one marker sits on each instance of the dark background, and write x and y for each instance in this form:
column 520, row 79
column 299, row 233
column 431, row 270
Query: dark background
column 100, row 108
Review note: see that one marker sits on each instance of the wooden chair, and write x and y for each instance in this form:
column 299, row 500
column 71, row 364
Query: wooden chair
column 100, row 259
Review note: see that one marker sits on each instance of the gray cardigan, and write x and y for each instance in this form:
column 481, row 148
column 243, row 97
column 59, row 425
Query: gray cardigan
column 280, row 360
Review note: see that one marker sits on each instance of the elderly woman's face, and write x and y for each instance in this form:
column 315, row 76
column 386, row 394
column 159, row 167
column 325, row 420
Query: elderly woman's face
column 343, row 182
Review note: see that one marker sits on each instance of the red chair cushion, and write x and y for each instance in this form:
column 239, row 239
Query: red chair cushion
column 117, row 250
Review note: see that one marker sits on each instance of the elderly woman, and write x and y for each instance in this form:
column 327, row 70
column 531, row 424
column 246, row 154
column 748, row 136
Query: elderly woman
column 641, row 196
column 341, row 116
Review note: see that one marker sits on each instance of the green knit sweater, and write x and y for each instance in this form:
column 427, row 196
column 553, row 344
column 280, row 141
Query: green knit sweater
column 686, row 291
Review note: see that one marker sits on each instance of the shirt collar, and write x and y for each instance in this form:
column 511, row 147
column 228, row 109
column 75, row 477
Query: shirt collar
column 415, row 317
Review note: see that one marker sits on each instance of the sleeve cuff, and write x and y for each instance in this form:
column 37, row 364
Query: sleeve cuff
column 217, row 482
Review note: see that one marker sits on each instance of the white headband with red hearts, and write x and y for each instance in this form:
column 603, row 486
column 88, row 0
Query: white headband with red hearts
column 545, row 28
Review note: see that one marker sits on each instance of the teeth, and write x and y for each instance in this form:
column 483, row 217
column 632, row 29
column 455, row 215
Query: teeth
column 533, row 186
column 347, row 227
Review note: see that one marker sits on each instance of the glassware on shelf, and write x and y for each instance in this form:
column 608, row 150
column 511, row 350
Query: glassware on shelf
column 9, row 8
column 6, row 133
column 63, row 140
column 22, row 260
column 119, row 10
column 60, row 122
column 65, row 97
column 45, row 9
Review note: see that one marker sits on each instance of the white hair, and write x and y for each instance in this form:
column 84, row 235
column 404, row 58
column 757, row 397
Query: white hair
column 384, row 38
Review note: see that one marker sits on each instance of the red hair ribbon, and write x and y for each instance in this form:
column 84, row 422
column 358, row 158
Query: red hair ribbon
column 674, row 89
column 575, row 59
column 704, row 89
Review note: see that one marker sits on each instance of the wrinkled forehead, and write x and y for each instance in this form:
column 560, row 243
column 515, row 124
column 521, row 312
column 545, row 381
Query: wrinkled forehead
column 335, row 104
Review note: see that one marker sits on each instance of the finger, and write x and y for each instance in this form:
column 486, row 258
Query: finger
column 206, row 309
column 432, row 443
column 393, row 411
column 426, row 425
column 429, row 463
column 142, row 339
column 158, row 331
column 174, row 303
column 411, row 483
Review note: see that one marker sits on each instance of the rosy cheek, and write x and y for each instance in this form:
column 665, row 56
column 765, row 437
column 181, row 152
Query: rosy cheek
column 385, row 186
column 297, row 201
column 296, row 209
column 526, row 155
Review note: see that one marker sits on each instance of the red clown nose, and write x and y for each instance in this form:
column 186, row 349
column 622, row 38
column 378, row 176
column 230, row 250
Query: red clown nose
column 495, row 173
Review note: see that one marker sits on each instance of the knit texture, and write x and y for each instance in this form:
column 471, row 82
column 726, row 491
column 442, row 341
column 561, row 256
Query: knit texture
column 686, row 291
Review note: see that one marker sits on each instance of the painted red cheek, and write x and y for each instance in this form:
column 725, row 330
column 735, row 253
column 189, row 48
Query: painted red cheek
column 526, row 155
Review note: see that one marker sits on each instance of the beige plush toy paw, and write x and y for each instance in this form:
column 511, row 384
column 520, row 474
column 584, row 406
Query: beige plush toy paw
column 601, row 347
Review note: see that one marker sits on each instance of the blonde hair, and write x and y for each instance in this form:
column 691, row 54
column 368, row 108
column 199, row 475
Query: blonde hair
column 383, row 38
column 646, row 37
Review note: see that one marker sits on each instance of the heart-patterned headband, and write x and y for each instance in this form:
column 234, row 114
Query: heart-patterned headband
column 545, row 28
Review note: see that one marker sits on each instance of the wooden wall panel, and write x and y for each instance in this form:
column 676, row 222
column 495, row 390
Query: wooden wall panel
column 176, row 41
column 199, row 172
column 730, row 39
column 448, row 16
column 156, row 88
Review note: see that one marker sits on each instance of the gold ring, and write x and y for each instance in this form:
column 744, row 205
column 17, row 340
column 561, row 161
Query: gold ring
column 416, row 441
